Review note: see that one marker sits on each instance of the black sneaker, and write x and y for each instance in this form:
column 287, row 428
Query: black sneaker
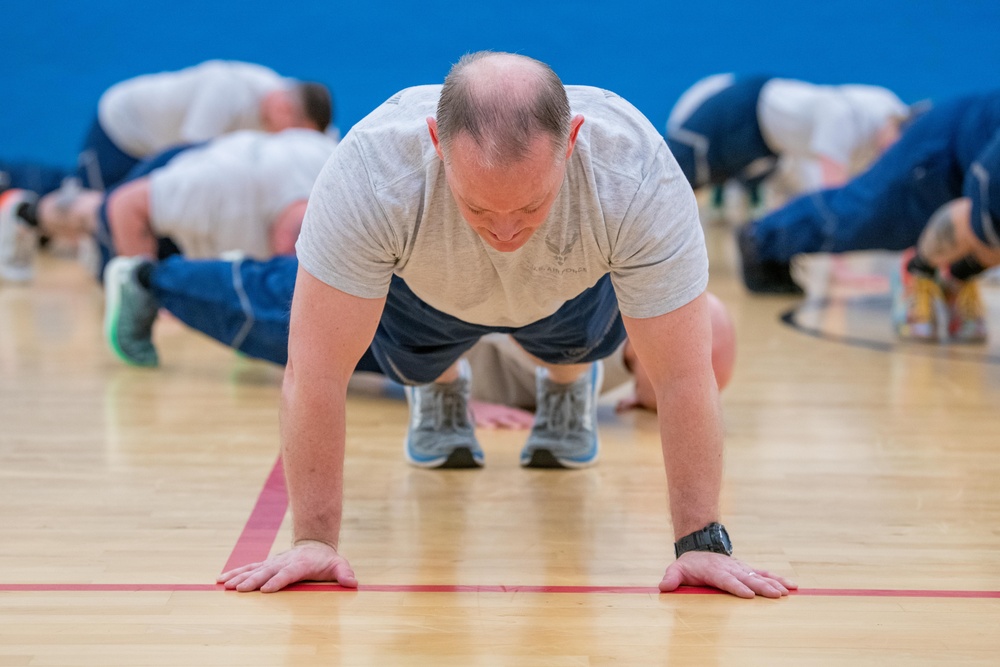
column 763, row 276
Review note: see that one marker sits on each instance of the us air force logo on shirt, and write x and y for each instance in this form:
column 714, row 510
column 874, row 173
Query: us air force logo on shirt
column 561, row 248
column 560, row 251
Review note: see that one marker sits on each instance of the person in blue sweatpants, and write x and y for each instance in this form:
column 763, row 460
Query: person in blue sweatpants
column 941, row 180
column 243, row 304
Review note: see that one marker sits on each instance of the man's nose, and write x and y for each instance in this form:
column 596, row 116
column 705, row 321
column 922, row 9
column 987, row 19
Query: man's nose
column 506, row 228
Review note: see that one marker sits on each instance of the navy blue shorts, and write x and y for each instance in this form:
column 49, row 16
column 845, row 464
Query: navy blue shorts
column 722, row 138
column 982, row 186
column 415, row 343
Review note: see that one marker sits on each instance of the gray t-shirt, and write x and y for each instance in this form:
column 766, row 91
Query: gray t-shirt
column 381, row 206
column 152, row 112
column 227, row 194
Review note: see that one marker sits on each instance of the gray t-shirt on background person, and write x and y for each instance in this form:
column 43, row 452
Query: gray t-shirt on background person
column 227, row 194
column 149, row 113
column 382, row 206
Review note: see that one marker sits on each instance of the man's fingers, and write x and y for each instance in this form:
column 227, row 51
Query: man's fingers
column 283, row 577
column 787, row 583
column 225, row 576
column 729, row 582
column 672, row 578
column 255, row 580
column 345, row 575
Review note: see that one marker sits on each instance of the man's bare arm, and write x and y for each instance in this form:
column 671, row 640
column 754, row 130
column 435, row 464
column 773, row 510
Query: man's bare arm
column 330, row 330
column 675, row 350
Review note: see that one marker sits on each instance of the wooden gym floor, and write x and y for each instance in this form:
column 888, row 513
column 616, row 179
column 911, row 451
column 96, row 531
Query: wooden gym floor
column 866, row 470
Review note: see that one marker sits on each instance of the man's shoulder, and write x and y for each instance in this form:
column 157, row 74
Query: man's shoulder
column 615, row 136
column 406, row 106
column 598, row 100
column 393, row 140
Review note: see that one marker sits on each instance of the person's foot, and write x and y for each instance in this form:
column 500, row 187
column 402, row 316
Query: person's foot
column 760, row 275
column 129, row 312
column 917, row 301
column 966, row 314
column 441, row 434
column 564, row 434
column 18, row 240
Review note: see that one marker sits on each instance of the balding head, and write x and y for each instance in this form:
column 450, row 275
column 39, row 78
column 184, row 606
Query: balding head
column 504, row 103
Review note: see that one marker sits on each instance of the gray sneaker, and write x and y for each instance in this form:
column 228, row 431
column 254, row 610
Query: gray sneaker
column 441, row 434
column 18, row 240
column 129, row 312
column 565, row 431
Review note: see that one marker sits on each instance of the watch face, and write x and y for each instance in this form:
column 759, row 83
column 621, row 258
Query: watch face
column 720, row 537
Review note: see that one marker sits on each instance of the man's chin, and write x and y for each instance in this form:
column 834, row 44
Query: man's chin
column 512, row 245
column 509, row 246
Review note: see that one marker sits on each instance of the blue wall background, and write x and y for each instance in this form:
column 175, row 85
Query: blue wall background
column 58, row 56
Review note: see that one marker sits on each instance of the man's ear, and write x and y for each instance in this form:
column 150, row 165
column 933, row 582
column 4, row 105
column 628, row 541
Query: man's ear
column 574, row 130
column 432, row 127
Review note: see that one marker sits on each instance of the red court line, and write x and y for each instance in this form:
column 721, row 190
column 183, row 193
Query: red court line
column 449, row 588
column 257, row 538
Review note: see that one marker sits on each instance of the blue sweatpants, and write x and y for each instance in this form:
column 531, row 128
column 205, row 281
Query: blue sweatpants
column 246, row 305
column 888, row 206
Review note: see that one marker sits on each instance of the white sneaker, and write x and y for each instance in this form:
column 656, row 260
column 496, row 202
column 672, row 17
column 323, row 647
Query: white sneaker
column 18, row 240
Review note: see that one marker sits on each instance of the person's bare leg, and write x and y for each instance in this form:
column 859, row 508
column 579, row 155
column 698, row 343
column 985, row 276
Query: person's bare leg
column 70, row 219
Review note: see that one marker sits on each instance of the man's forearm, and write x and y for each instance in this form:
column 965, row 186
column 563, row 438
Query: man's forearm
column 313, row 434
column 691, row 433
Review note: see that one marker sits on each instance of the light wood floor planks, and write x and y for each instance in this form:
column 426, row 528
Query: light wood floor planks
column 866, row 470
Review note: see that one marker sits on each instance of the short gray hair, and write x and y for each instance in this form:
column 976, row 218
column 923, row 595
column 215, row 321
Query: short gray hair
column 501, row 116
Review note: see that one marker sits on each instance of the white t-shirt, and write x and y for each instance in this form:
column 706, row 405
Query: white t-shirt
column 226, row 195
column 804, row 120
column 149, row 113
column 382, row 206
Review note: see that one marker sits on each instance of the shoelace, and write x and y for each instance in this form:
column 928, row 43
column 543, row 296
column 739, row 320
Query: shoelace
column 563, row 410
column 449, row 409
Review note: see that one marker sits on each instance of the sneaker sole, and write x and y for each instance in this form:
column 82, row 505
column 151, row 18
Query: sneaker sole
column 460, row 458
column 546, row 460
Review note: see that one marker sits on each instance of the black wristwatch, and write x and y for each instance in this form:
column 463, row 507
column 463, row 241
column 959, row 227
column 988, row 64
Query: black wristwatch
column 712, row 537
